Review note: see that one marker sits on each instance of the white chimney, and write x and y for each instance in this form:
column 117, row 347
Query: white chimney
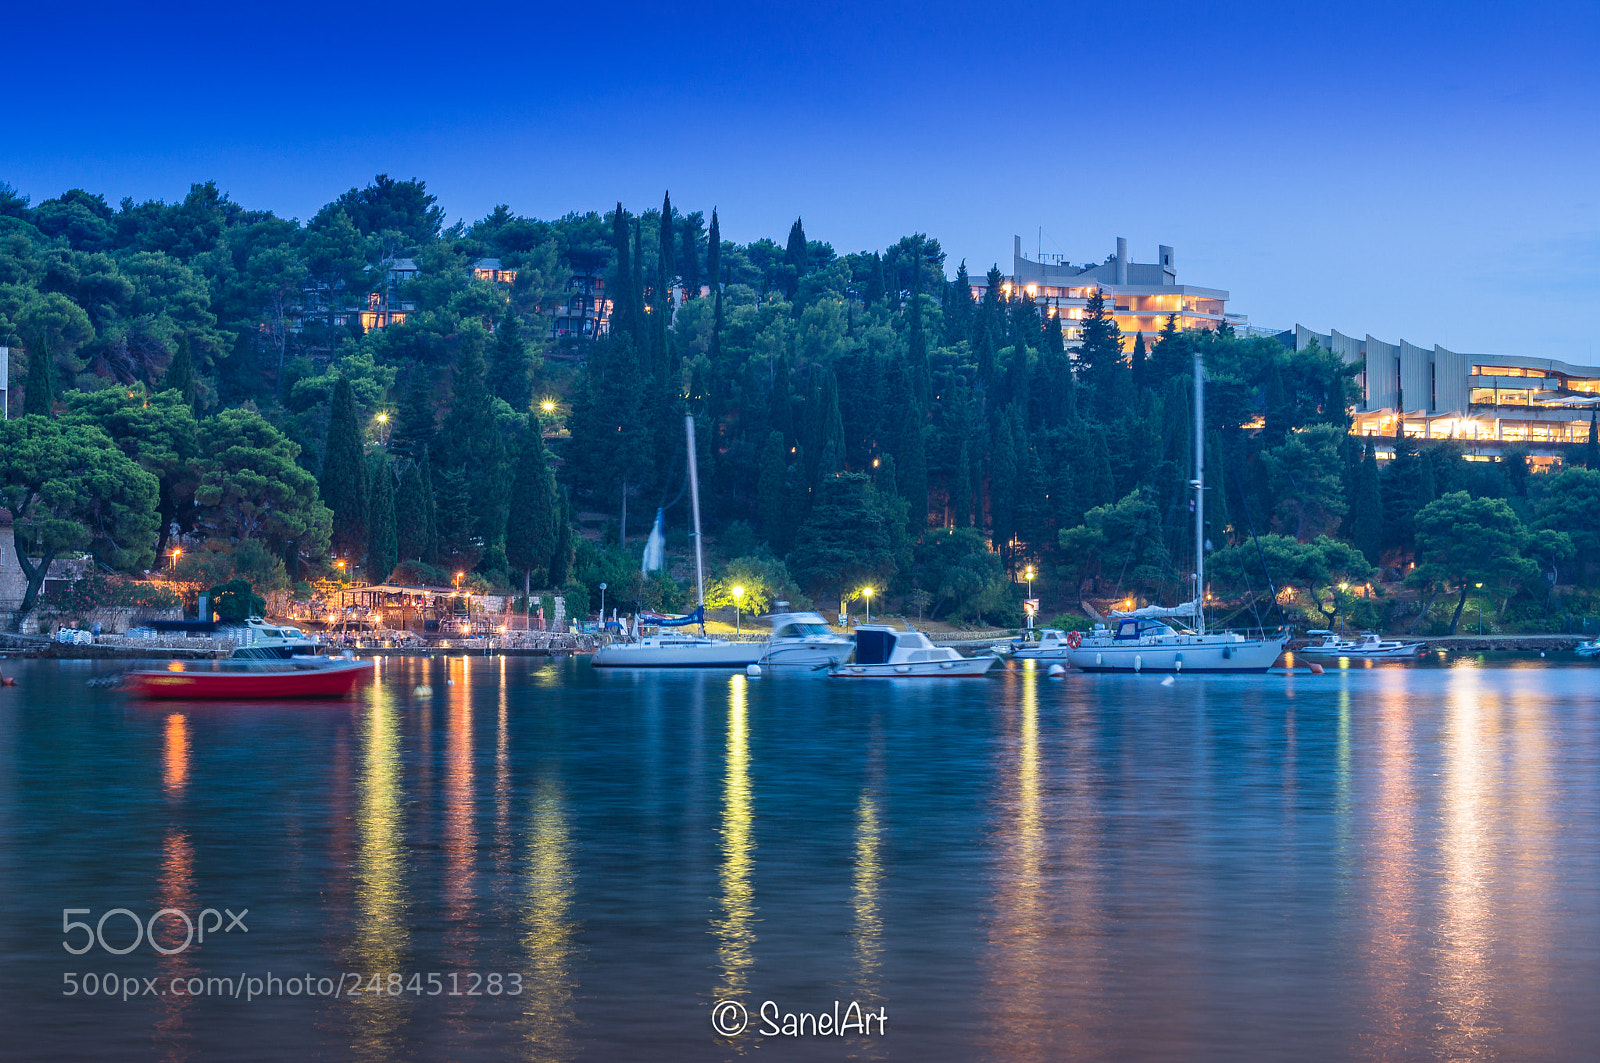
column 1122, row 260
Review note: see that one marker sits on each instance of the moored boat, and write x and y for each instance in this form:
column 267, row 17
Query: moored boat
column 1364, row 646
column 803, row 640
column 888, row 653
column 1051, row 645
column 244, row 678
column 1588, row 649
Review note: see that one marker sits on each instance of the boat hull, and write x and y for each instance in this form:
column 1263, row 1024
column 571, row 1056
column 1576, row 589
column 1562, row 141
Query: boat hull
column 966, row 668
column 805, row 655
column 1405, row 653
column 1246, row 656
column 724, row 655
column 332, row 681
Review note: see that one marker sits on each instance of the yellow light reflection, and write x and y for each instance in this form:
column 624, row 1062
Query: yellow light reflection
column 550, row 933
column 382, row 918
column 867, row 887
column 735, row 930
column 175, row 889
column 1467, row 851
column 1020, row 1015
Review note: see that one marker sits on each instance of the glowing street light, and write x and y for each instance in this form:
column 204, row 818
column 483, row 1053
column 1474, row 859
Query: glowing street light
column 738, row 600
column 867, row 593
column 1028, row 575
column 548, row 406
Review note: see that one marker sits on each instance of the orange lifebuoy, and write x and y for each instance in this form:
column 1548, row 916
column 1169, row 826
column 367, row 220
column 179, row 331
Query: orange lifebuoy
column 1074, row 639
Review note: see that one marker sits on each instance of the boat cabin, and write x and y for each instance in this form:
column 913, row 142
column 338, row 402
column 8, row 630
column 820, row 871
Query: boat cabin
column 1133, row 628
column 884, row 645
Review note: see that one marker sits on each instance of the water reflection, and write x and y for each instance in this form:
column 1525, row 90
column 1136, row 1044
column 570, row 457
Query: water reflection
column 1466, row 851
column 175, row 889
column 1019, row 1017
column 549, row 929
column 382, row 909
column 867, row 885
column 735, row 929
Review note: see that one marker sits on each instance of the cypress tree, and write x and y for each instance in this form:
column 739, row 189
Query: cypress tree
column 771, row 479
column 714, row 253
column 430, row 510
column 531, row 521
column 910, row 452
column 40, row 396
column 690, row 255
column 641, row 331
column 877, row 286
column 180, row 372
column 343, row 482
column 411, row 507
column 831, row 455
column 921, row 381
column 414, row 427
column 476, row 449
column 796, row 259
column 958, row 308
column 511, row 374
column 1591, row 453
column 622, row 297
column 1366, row 508
column 961, row 487
column 1138, row 361
column 715, row 350
column 561, row 556
column 382, row 536
column 665, row 267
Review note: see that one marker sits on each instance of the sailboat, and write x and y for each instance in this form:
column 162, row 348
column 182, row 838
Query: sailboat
column 1174, row 638
column 674, row 650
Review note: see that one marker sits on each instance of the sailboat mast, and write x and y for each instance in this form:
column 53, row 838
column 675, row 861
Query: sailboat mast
column 694, row 497
column 1199, row 485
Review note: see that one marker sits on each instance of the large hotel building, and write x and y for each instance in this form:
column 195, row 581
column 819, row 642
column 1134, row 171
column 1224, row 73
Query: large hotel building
column 1487, row 400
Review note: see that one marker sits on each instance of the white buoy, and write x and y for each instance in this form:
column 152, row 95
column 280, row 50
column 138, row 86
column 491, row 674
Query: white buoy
column 753, row 671
column 1057, row 671
column 1138, row 662
column 1167, row 682
column 449, row 682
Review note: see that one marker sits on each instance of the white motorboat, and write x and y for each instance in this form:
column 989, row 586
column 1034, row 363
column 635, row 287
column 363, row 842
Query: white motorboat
column 803, row 640
column 1366, row 645
column 1174, row 639
column 888, row 653
column 1051, row 645
column 1588, row 649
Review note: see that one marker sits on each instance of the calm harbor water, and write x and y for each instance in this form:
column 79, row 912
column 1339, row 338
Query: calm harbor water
column 1379, row 863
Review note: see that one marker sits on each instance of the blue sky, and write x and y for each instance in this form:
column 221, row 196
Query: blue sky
column 1416, row 171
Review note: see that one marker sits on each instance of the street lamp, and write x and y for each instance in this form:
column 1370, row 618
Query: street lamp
column 603, row 606
column 547, row 406
column 1480, row 610
column 1028, row 575
column 738, row 600
column 177, row 552
column 458, row 578
column 867, row 592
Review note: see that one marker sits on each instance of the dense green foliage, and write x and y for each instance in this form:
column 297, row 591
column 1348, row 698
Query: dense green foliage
column 861, row 419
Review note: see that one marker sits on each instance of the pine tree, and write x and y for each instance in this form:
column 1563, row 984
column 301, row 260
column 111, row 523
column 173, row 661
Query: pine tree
column 531, row 530
column 714, row 253
column 511, row 374
column 1100, row 352
column 180, row 372
column 958, row 308
column 343, row 483
column 411, row 515
column 414, row 428
column 796, row 258
column 40, row 396
column 382, row 534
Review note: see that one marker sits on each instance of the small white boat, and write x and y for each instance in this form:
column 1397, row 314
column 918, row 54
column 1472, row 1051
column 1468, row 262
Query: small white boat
column 1147, row 640
column 1366, row 645
column 1588, row 649
column 1051, row 645
column 886, row 652
column 803, row 640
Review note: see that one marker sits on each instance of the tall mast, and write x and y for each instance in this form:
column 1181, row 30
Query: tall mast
column 694, row 496
column 1199, row 485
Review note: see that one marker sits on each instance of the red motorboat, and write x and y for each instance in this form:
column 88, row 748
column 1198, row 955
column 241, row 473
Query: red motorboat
column 275, row 661
column 328, row 677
